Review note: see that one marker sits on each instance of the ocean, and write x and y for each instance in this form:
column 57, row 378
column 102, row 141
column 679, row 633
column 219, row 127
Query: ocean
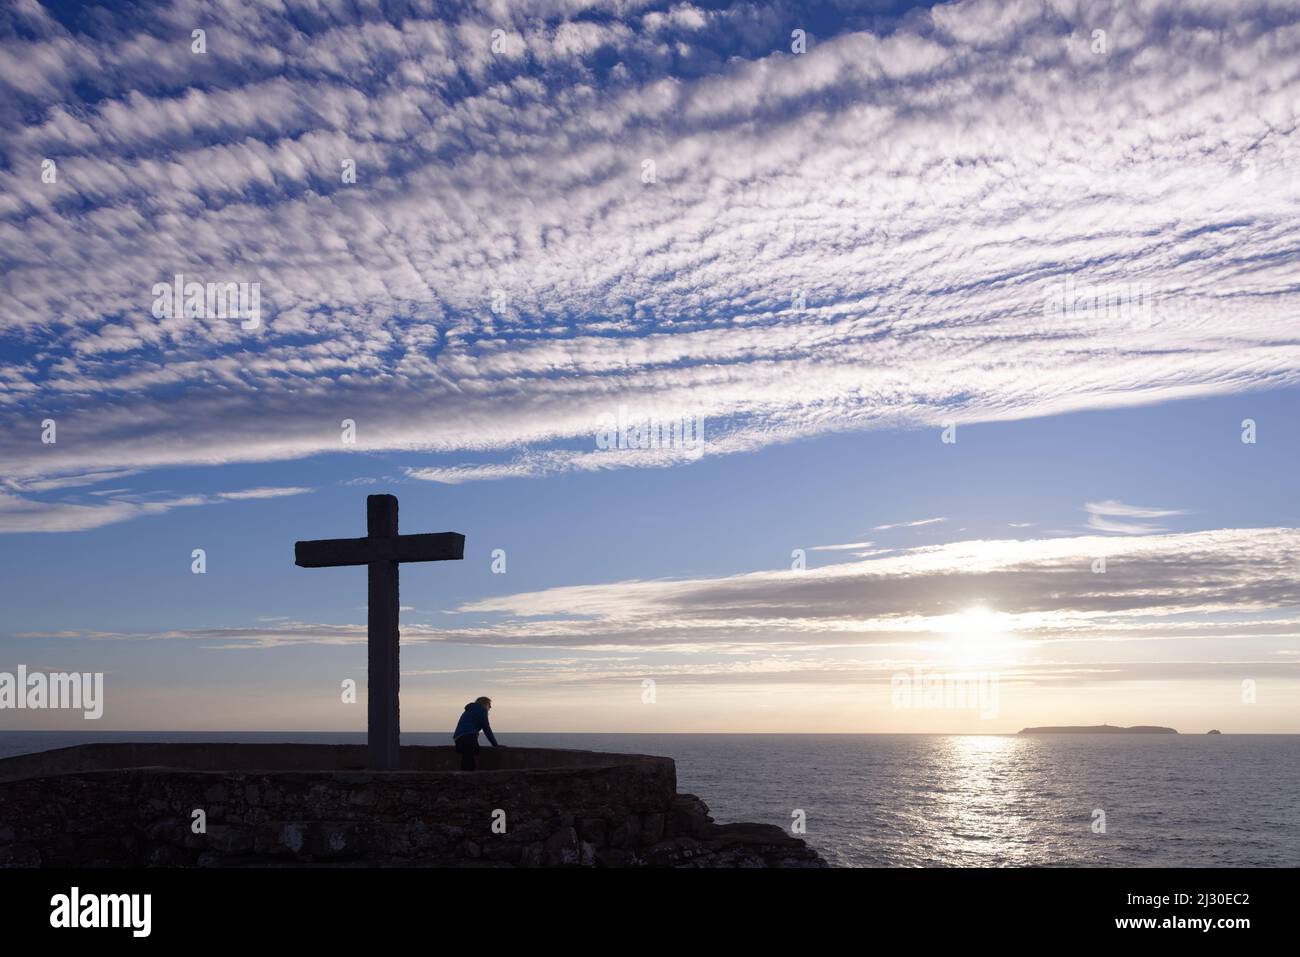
column 926, row 800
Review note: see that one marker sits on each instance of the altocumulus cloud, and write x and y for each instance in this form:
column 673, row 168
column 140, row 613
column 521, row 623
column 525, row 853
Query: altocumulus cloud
column 869, row 234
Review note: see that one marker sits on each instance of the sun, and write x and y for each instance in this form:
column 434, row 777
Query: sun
column 977, row 635
column 976, row 621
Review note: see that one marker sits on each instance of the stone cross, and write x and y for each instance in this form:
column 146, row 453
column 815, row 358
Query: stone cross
column 381, row 551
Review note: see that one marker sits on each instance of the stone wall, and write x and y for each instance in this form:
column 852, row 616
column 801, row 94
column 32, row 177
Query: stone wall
column 133, row 804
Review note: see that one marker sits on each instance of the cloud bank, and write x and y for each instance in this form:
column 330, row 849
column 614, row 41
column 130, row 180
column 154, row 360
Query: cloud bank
column 1232, row 585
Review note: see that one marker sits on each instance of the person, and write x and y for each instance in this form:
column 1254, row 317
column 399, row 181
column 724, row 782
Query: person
column 473, row 720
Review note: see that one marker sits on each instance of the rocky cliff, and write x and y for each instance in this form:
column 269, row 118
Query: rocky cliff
column 230, row 805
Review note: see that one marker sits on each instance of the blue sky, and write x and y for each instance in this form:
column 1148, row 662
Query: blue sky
column 1077, row 250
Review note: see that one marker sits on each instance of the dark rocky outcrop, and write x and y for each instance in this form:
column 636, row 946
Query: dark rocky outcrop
column 311, row 805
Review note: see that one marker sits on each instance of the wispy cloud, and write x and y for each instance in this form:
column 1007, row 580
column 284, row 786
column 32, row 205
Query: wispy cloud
column 265, row 493
column 919, row 522
column 68, row 481
column 1109, row 516
column 25, row 514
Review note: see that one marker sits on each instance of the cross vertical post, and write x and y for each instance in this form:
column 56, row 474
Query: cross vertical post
column 384, row 674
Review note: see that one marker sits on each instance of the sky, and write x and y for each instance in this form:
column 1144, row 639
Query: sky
column 978, row 321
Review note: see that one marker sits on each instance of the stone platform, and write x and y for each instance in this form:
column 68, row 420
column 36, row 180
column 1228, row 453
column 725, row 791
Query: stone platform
column 132, row 805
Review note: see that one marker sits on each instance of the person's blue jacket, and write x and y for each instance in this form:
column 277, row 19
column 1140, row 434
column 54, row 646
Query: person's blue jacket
column 473, row 720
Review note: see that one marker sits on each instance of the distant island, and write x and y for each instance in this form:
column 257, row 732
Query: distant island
column 1214, row 731
column 1100, row 729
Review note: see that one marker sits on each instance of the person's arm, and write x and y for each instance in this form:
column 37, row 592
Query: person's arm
column 487, row 730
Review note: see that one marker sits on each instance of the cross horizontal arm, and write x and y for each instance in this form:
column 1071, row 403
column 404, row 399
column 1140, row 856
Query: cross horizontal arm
column 328, row 552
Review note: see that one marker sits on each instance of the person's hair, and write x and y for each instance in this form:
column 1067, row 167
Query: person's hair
column 483, row 700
